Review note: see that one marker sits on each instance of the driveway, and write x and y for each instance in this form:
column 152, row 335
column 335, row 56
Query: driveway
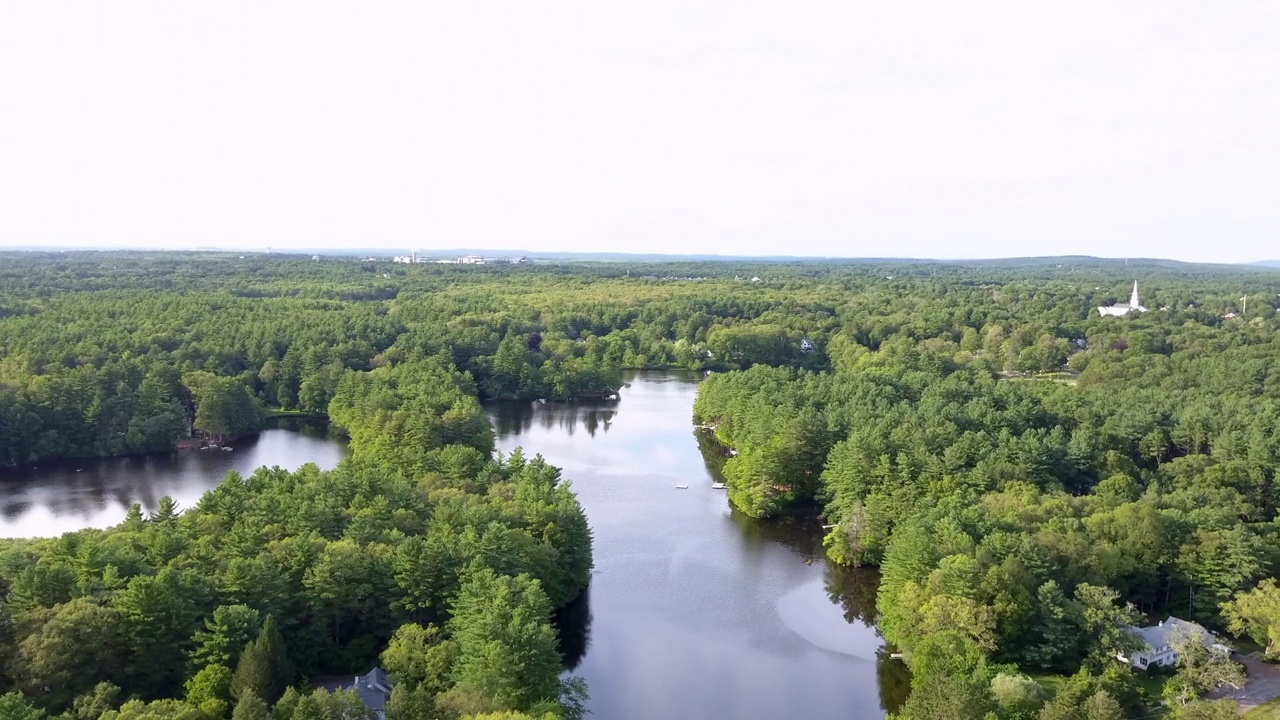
column 1262, row 685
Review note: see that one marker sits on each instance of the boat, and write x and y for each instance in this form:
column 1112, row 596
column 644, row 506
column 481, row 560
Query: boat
column 226, row 448
column 682, row 487
column 718, row 486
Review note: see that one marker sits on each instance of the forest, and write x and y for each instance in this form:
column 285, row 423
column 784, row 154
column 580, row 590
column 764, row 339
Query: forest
column 1031, row 478
column 1028, row 476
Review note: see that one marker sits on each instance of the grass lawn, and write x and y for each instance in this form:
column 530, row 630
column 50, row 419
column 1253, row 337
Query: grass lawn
column 1269, row 710
column 1051, row 683
column 1152, row 686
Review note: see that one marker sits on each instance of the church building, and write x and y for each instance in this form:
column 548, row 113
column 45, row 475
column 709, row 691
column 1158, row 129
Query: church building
column 1120, row 309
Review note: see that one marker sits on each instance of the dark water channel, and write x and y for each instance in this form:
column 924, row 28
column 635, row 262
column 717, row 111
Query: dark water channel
column 695, row 611
column 56, row 497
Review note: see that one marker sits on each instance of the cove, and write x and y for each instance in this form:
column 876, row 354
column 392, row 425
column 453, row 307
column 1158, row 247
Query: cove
column 65, row 495
column 696, row 611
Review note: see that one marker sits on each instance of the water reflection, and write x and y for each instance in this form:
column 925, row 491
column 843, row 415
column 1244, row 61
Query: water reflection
column 696, row 610
column 573, row 623
column 56, row 497
column 894, row 679
column 515, row 418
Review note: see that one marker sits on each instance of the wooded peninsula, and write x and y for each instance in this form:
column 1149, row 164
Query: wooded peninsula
column 1035, row 479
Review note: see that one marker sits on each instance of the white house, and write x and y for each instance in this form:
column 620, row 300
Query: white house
column 1156, row 648
column 471, row 260
column 1121, row 309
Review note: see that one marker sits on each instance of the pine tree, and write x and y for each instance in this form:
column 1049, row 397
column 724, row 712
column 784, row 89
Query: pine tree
column 508, row 647
column 1101, row 706
column 278, row 657
column 253, row 674
column 264, row 669
column 251, row 707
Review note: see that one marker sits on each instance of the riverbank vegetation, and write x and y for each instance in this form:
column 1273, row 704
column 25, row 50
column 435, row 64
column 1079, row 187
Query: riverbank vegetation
column 1029, row 476
column 1023, row 524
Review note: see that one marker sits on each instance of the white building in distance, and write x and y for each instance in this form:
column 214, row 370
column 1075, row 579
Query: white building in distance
column 1121, row 309
column 471, row 260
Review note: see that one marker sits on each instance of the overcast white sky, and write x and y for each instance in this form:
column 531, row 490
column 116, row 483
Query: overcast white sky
column 939, row 129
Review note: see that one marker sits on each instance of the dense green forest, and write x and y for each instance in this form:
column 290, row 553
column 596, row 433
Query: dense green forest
column 1028, row 476
column 446, row 563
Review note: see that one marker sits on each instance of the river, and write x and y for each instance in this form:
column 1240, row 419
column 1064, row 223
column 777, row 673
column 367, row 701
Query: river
column 695, row 611
column 56, row 497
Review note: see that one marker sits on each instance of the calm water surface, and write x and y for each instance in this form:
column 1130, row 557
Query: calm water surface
column 57, row 497
column 695, row 611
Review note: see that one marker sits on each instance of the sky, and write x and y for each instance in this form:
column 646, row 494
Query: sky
column 853, row 129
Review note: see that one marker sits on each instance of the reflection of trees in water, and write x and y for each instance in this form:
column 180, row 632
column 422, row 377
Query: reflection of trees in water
column 84, row 487
column 512, row 418
column 895, row 681
column 517, row 418
column 573, row 622
column 311, row 427
column 597, row 419
column 798, row 532
column 854, row 590
column 714, row 455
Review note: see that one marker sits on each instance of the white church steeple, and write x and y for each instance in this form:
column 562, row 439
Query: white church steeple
column 1121, row 309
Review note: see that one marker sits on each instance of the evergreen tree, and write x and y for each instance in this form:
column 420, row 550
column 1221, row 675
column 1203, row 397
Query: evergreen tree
column 264, row 669
column 1101, row 706
column 250, row 707
column 1058, row 629
column 507, row 645
column 253, row 675
column 225, row 635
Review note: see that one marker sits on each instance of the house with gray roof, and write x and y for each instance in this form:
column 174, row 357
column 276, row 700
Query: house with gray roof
column 373, row 688
column 1155, row 641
